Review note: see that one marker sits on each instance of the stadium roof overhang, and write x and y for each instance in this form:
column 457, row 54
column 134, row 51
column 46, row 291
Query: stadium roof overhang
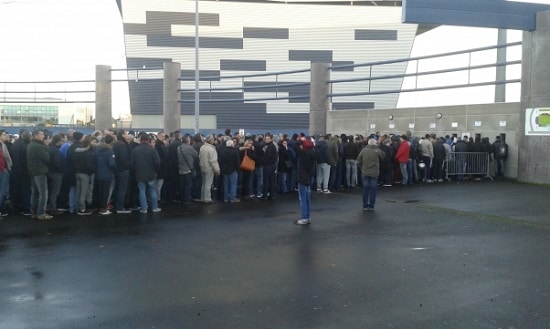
column 487, row 13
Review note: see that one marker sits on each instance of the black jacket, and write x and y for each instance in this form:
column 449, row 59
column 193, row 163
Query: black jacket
column 306, row 166
column 145, row 162
column 270, row 155
column 229, row 160
column 84, row 161
column 19, row 157
column 122, row 155
column 56, row 160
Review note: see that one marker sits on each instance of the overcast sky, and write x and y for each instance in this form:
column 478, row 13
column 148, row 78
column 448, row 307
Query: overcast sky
column 64, row 39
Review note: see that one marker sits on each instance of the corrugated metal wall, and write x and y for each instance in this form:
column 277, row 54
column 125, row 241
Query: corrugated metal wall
column 244, row 38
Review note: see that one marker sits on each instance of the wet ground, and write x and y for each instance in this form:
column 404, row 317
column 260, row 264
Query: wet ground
column 471, row 255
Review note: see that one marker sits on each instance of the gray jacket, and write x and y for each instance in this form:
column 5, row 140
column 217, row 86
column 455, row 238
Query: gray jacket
column 369, row 160
column 187, row 156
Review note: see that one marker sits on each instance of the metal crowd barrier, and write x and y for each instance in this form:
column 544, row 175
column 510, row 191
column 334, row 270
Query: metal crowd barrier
column 466, row 164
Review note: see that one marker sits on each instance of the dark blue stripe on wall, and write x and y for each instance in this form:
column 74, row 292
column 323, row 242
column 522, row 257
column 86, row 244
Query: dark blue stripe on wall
column 160, row 22
column 343, row 69
column 250, row 116
column 264, row 33
column 316, row 56
column 163, row 19
column 271, row 87
column 353, row 106
column 204, row 75
column 376, row 35
column 146, row 99
column 190, row 97
column 146, row 96
column 242, row 65
column 189, row 42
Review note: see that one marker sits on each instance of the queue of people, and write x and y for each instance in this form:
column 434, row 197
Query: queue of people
column 44, row 175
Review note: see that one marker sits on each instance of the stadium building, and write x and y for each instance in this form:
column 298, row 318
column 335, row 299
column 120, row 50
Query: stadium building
column 248, row 38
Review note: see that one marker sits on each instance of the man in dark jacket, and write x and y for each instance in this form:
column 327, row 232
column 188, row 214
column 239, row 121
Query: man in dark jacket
column 38, row 159
column 145, row 163
column 188, row 159
column 162, row 150
column 21, row 183
column 229, row 160
column 55, row 172
column 105, row 169
column 173, row 169
column 306, row 170
column 459, row 164
column 500, row 151
column 121, row 151
column 270, row 160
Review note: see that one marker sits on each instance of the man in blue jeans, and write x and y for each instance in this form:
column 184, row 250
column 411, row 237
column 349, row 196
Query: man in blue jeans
column 145, row 162
column 121, row 151
column 306, row 170
column 369, row 162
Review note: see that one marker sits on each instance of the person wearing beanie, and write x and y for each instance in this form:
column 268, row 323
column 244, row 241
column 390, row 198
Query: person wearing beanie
column 306, row 170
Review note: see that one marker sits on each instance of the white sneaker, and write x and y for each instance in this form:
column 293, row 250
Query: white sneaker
column 157, row 210
column 327, row 191
column 302, row 221
column 106, row 212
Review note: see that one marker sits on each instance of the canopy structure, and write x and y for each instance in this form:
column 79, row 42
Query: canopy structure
column 487, row 13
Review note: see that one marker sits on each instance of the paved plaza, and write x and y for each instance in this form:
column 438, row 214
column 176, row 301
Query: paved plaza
column 447, row 255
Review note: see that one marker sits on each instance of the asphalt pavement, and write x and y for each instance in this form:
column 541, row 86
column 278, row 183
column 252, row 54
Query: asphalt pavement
column 445, row 255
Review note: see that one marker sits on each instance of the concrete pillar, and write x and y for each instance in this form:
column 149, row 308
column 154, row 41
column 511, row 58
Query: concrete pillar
column 500, row 90
column 103, row 98
column 171, row 110
column 534, row 158
column 319, row 103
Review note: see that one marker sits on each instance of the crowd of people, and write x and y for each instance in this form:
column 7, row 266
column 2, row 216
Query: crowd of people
column 44, row 174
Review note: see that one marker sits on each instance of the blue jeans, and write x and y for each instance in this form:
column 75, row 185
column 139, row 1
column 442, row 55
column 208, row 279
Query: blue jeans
column 82, row 190
column 404, row 173
column 4, row 187
column 54, row 186
column 148, row 190
column 292, row 178
column 186, row 183
column 122, row 185
column 304, row 195
column 269, row 179
column 351, row 172
column 39, row 194
column 410, row 167
column 230, row 186
column 323, row 175
column 259, row 173
column 282, row 177
column 370, row 184
column 197, row 185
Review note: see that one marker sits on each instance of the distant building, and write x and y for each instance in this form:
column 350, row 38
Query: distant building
column 21, row 112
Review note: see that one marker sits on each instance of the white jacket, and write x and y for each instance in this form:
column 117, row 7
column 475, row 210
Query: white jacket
column 208, row 159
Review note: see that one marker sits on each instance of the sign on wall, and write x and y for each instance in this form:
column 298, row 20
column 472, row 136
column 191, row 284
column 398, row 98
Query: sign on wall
column 537, row 121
